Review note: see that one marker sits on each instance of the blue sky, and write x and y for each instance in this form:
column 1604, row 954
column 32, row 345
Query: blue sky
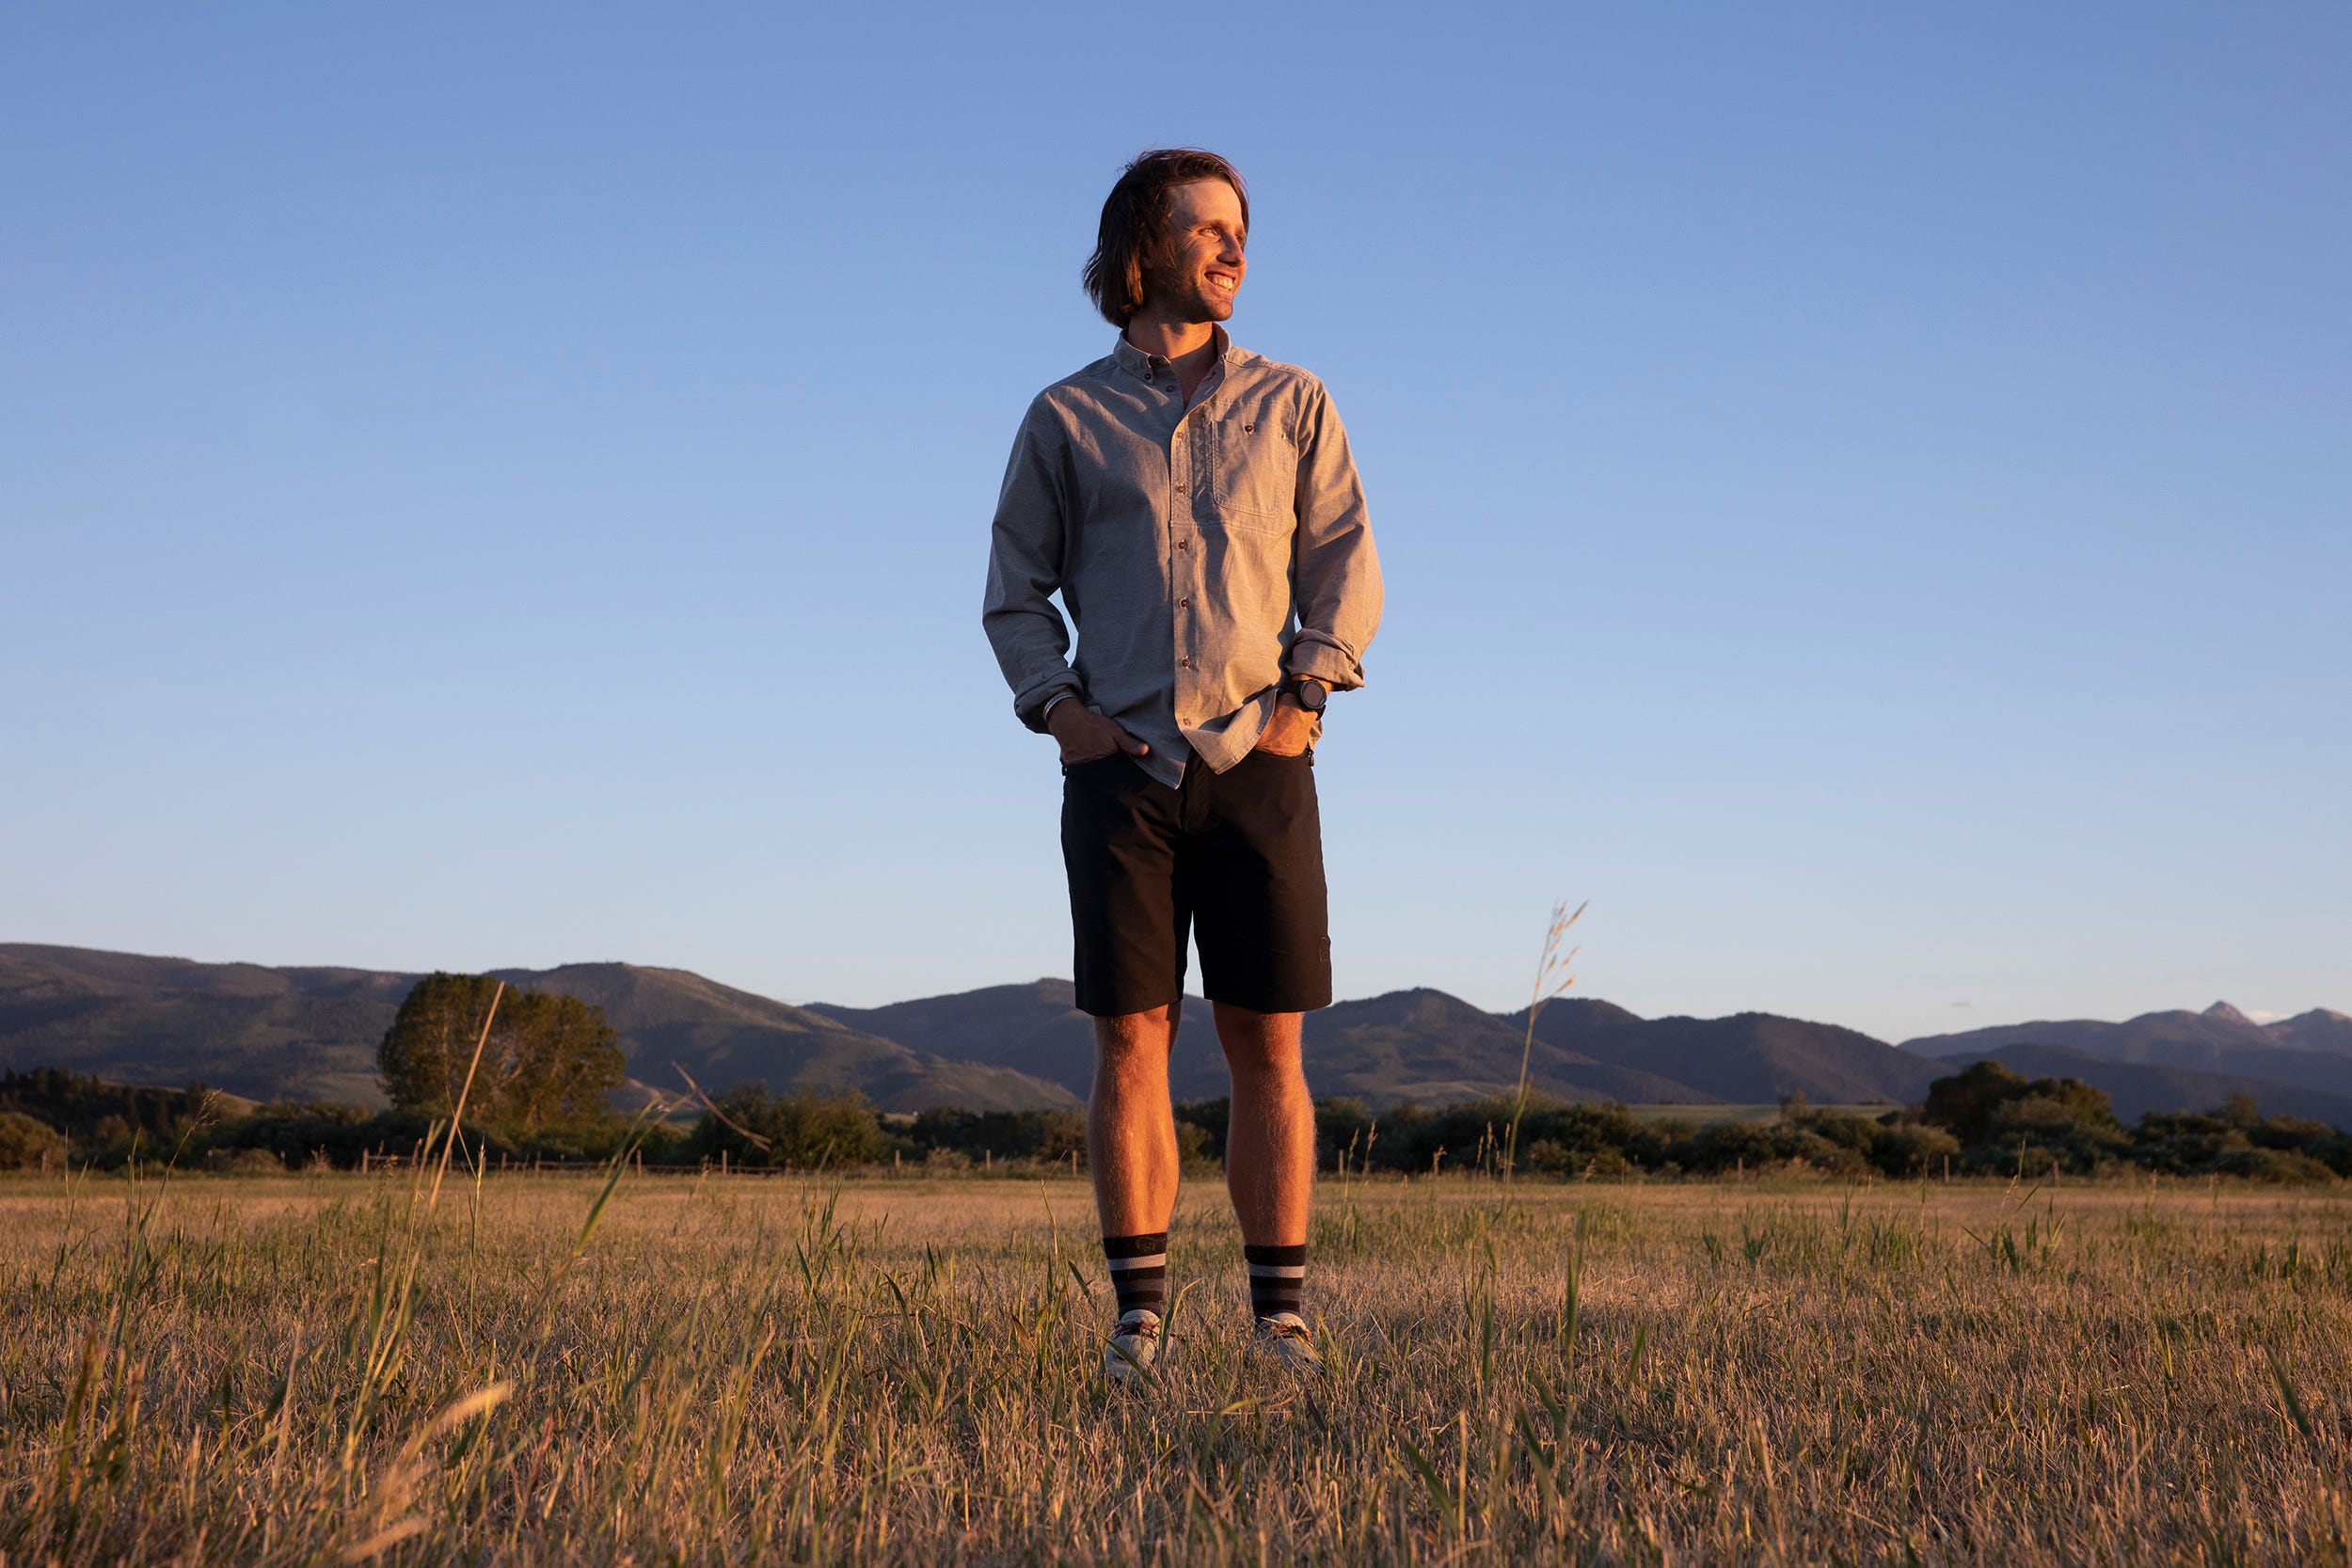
column 1866, row 492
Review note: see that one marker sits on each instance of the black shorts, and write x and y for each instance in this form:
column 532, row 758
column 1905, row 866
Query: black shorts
column 1241, row 851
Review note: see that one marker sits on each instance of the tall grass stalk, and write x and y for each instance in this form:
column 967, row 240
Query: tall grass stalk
column 457, row 1117
column 1552, row 977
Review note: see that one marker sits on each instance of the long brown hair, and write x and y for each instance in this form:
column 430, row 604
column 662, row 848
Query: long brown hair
column 1134, row 235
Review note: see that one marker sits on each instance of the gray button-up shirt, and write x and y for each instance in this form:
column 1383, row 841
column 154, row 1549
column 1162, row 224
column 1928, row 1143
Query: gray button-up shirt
column 1205, row 551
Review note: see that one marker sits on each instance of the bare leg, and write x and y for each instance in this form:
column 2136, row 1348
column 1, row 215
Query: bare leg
column 1270, row 1141
column 1131, row 1128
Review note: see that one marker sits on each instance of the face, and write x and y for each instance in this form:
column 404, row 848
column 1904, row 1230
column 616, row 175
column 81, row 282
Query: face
column 1205, row 237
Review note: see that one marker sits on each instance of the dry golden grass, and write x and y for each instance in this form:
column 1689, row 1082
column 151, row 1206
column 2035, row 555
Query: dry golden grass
column 313, row 1370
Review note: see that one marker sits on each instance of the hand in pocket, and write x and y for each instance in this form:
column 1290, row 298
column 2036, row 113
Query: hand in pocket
column 1086, row 736
column 1288, row 731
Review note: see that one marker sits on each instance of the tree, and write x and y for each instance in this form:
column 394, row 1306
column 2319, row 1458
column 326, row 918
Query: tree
column 563, row 1059
column 26, row 1144
column 548, row 1059
column 2006, row 1119
column 1964, row 1103
column 2074, row 1127
column 754, row 1126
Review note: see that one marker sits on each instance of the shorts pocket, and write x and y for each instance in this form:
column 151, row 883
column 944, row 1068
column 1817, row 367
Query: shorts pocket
column 1097, row 766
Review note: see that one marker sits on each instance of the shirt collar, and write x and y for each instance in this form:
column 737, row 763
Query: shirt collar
column 1142, row 366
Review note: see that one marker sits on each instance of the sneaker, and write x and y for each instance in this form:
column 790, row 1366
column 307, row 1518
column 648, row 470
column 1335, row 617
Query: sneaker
column 1284, row 1337
column 1135, row 1346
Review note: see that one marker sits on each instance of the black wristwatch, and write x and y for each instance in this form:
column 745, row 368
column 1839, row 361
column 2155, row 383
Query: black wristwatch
column 1310, row 692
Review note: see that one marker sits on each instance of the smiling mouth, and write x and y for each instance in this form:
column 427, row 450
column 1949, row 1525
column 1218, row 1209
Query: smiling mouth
column 1225, row 280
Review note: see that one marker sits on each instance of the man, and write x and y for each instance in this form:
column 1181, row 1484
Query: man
column 1196, row 507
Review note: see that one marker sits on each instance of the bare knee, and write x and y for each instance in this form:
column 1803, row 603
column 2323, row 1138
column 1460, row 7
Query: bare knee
column 1135, row 1042
column 1259, row 1046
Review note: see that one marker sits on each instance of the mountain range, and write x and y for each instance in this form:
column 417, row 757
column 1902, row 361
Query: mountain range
column 2219, row 1052
column 310, row 1033
column 2206, row 1041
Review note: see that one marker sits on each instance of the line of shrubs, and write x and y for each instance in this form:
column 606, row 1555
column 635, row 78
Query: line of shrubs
column 50, row 1116
column 1985, row 1119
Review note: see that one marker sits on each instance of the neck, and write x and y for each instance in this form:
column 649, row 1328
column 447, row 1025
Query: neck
column 1187, row 347
column 1170, row 340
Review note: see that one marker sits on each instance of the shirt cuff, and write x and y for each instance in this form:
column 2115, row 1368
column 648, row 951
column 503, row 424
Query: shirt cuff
column 1326, row 663
column 1030, row 702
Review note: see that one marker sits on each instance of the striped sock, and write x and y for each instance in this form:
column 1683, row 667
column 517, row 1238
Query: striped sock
column 1138, row 1271
column 1277, row 1274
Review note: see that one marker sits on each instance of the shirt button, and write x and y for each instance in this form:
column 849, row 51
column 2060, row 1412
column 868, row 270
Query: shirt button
column 1188, row 664
column 1180, row 489
column 1183, row 543
column 1184, row 604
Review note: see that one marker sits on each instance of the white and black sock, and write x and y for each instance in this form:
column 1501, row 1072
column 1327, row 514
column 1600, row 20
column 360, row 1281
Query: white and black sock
column 1276, row 1276
column 1138, row 1271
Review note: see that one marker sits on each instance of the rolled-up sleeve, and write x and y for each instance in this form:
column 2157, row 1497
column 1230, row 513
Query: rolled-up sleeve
column 1335, row 569
column 1025, row 567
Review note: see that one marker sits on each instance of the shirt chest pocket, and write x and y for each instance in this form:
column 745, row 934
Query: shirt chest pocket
column 1256, row 474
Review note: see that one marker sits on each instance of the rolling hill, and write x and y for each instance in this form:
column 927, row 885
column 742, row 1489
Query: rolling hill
column 1425, row 1045
column 2310, row 1053
column 263, row 1032
column 2321, row 1029
column 2175, row 1038
column 1036, row 1029
column 1751, row 1058
column 1417, row 1044
column 310, row 1034
column 1428, row 1046
column 673, row 1018
column 2139, row 1087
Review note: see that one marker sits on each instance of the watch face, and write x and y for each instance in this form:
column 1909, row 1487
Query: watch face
column 1310, row 694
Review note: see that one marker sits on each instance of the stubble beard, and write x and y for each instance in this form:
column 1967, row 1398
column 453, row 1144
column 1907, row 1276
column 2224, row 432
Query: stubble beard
column 1215, row 304
column 1198, row 303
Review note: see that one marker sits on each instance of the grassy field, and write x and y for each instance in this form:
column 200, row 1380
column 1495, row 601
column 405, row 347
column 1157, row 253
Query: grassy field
column 313, row 1368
